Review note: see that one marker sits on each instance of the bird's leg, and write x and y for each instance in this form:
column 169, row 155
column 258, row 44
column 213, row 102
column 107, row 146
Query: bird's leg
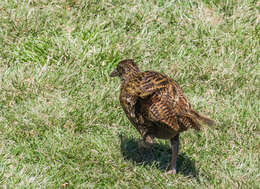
column 175, row 148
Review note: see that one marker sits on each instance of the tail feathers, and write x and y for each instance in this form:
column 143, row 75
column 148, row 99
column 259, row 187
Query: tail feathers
column 202, row 118
column 188, row 121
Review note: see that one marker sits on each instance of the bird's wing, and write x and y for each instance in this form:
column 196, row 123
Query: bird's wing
column 167, row 90
column 140, row 87
column 146, row 83
column 165, row 103
column 168, row 112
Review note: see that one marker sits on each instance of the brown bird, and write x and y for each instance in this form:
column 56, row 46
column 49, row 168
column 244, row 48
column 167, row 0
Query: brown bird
column 156, row 106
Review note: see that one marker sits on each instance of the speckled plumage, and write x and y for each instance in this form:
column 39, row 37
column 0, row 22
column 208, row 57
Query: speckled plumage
column 156, row 106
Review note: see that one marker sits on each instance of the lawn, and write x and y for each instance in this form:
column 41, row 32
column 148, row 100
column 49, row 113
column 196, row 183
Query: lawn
column 61, row 124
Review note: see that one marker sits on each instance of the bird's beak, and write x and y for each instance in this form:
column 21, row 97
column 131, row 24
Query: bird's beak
column 114, row 73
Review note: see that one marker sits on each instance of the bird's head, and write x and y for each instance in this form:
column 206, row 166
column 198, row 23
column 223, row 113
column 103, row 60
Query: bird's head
column 125, row 69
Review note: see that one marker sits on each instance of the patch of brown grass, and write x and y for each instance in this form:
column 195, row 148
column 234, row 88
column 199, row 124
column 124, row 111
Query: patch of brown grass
column 208, row 15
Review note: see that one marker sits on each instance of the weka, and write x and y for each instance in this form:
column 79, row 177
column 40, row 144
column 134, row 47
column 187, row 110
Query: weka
column 156, row 106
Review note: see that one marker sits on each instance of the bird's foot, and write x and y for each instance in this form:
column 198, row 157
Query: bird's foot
column 171, row 172
column 143, row 146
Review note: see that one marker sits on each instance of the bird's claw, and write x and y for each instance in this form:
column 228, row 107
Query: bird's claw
column 170, row 172
column 142, row 146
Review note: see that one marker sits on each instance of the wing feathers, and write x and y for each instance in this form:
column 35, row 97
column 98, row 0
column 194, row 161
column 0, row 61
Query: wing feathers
column 161, row 100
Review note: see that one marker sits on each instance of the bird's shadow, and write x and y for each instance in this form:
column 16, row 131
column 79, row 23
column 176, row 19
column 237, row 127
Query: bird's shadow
column 159, row 156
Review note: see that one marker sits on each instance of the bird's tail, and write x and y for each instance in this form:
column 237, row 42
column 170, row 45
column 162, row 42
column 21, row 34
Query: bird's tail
column 202, row 118
column 192, row 119
column 188, row 120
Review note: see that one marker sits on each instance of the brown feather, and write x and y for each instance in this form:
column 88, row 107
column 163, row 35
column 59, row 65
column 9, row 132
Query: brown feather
column 204, row 119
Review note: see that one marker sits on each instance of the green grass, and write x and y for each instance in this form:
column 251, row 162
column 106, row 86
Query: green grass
column 60, row 119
